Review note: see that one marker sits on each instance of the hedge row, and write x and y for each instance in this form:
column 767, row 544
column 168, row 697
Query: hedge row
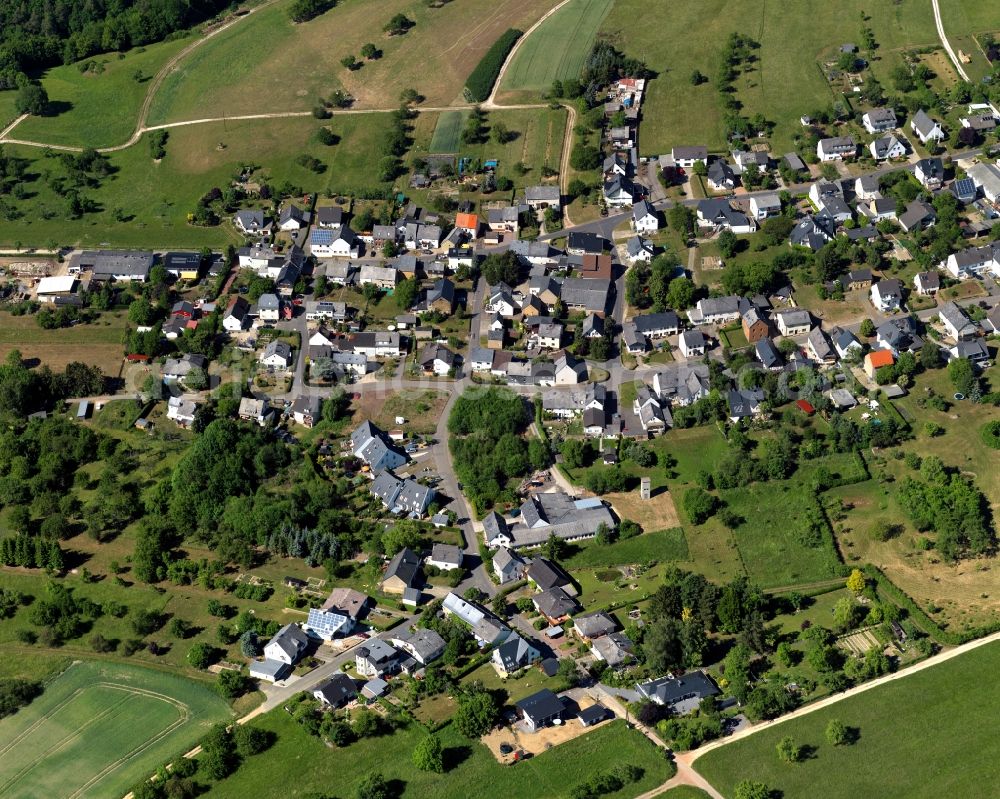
column 480, row 82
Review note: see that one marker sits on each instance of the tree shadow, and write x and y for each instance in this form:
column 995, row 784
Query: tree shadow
column 57, row 107
column 454, row 756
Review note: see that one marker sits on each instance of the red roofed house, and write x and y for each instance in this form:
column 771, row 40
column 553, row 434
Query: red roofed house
column 468, row 223
column 596, row 267
column 875, row 360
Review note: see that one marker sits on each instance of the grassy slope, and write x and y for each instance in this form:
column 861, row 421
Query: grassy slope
column 792, row 36
column 267, row 64
column 302, row 763
column 659, row 545
column 943, row 710
column 557, row 49
column 109, row 722
column 100, row 110
column 160, row 196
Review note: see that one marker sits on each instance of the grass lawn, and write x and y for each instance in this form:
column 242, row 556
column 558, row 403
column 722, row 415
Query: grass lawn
column 676, row 39
column 685, row 792
column 661, row 545
column 8, row 112
column 556, row 50
column 83, row 99
column 734, row 338
column 448, row 132
column 773, row 513
column 943, row 710
column 248, row 69
column 298, row 764
column 98, row 344
column 99, row 728
column 156, row 198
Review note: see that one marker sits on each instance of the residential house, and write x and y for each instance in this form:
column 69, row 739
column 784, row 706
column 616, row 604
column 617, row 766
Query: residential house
column 582, row 243
column 748, row 158
column 692, row 343
column 866, row 187
column 651, row 414
column 485, row 627
column 956, row 322
column 317, row 310
column 877, row 359
column 305, row 410
column 812, row 232
column 972, row 262
column 181, row 410
column 586, row 294
column 720, row 176
column 975, row 351
column 336, row 690
column 340, row 242
column 420, row 643
column 403, row 496
column 500, row 301
column 818, row 347
column 596, row 267
column 385, row 277
column 506, row 219
column 269, row 308
column 746, row 403
column 886, row 148
column 251, row 222
column 329, row 216
column 836, row 148
column 794, row 322
column 755, row 327
column 179, row 368
column 898, row 335
column 619, row 192
column 927, row 283
column 657, row 325
column 593, row 625
column 183, row 265
column 768, row 355
column 639, row 249
column 930, row 172
column 375, row 657
column 514, row 654
column 591, row 327
column 481, row 359
column 468, row 224
column 124, row 266
column 541, row 709
column 291, row 217
column 644, row 218
column 569, row 370
column 879, row 120
column 446, row 557
column 718, row 213
column 440, row 297
column 845, row 342
column 964, row 190
column 764, row 206
column 681, row 695
column 547, row 336
column 887, row 295
column 616, row 649
column 991, row 324
column 277, row 355
column 437, row 359
column 372, row 446
column 348, row 602
column 925, row 128
column 686, row 157
column 542, row 197
column 287, row 645
column 555, row 604
column 715, row 311
column 403, row 572
column 986, row 176
column 857, row 280
column 683, row 384
column 327, row 624
column 918, row 215
column 254, row 410
column 878, row 209
column 507, row 565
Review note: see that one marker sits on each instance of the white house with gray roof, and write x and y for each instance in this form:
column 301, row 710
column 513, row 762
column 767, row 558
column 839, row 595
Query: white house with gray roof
column 372, row 446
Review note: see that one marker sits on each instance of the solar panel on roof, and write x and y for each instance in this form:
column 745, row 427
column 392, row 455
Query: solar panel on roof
column 324, row 623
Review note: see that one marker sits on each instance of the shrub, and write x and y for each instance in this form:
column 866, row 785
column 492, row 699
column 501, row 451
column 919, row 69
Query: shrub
column 481, row 81
column 991, row 434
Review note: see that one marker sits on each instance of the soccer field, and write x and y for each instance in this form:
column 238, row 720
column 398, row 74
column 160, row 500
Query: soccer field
column 99, row 728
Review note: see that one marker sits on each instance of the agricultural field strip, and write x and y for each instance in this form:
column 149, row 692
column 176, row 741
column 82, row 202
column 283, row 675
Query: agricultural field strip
column 76, row 733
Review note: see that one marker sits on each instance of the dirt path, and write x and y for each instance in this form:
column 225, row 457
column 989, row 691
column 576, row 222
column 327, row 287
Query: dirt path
column 491, row 100
column 947, row 45
column 564, row 161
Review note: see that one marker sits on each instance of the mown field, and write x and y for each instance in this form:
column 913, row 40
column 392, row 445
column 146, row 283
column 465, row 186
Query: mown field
column 98, row 108
column 676, row 39
column 448, row 132
column 99, row 344
column 302, row 761
column 267, row 64
column 918, row 737
column 555, row 51
column 99, row 728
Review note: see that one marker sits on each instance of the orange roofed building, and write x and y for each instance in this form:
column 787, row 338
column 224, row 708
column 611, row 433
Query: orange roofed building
column 875, row 360
column 468, row 222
